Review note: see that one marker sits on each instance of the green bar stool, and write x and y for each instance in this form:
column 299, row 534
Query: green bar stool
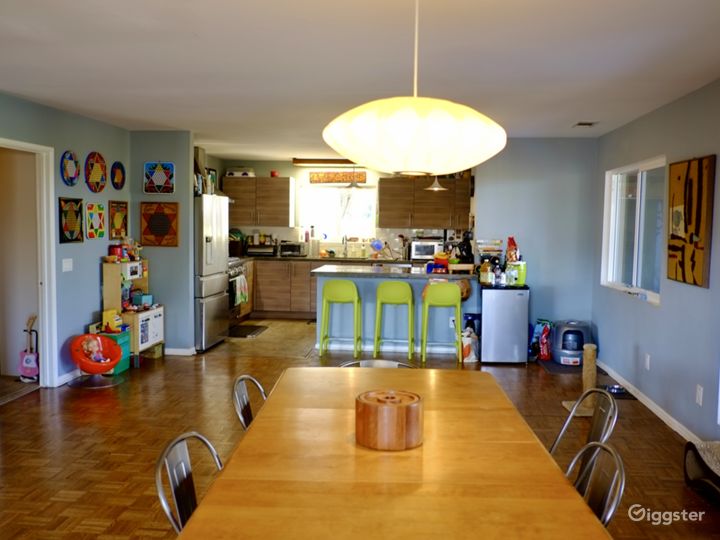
column 445, row 294
column 394, row 292
column 340, row 291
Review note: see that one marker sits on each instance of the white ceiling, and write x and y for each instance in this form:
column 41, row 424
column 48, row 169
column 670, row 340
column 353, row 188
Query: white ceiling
column 260, row 79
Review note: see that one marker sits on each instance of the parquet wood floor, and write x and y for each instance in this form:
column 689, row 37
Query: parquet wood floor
column 80, row 463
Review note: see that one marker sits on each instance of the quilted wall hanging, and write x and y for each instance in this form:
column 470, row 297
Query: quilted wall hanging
column 70, row 212
column 69, row 168
column 118, row 219
column 95, row 172
column 159, row 177
column 117, row 175
column 159, row 224
column 95, row 217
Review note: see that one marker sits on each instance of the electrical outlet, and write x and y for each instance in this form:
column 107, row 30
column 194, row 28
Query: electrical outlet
column 452, row 322
column 647, row 361
column 698, row 395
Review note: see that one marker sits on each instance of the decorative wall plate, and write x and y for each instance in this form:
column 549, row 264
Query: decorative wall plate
column 71, row 220
column 159, row 177
column 69, row 168
column 95, row 217
column 95, row 172
column 117, row 175
column 118, row 219
column 159, row 224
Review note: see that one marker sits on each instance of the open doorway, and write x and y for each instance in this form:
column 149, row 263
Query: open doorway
column 28, row 269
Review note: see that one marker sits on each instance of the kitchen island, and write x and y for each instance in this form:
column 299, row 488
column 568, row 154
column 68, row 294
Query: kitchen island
column 394, row 322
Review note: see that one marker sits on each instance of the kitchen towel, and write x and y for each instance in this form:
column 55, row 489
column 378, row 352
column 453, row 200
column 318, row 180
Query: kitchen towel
column 242, row 291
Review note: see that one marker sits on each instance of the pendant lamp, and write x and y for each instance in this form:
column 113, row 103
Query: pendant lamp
column 435, row 186
column 415, row 135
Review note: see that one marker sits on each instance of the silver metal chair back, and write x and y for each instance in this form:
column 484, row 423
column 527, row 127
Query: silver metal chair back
column 601, row 481
column 377, row 364
column 241, row 398
column 175, row 458
column 603, row 419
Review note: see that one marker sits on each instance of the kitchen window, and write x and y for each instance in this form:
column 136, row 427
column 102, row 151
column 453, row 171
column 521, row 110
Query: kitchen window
column 633, row 229
column 335, row 212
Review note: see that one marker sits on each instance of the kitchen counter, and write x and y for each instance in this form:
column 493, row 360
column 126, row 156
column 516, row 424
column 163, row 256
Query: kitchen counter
column 384, row 270
column 394, row 321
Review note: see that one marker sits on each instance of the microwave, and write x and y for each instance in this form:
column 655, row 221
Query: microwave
column 425, row 249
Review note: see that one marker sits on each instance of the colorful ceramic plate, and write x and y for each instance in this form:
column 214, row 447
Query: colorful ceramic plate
column 117, row 175
column 69, row 168
column 95, row 172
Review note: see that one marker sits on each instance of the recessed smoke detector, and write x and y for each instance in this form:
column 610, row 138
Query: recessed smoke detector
column 585, row 124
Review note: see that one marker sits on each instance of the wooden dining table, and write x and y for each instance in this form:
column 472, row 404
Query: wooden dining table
column 479, row 473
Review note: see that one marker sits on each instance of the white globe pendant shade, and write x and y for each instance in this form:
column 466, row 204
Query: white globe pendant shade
column 415, row 135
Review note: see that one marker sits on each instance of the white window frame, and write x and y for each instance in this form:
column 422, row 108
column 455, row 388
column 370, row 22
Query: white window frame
column 610, row 221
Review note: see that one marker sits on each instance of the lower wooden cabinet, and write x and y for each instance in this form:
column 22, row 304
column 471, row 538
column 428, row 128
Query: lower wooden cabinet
column 300, row 286
column 272, row 285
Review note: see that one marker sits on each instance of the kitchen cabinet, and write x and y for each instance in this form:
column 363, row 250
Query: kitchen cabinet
column 461, row 210
column 395, row 203
column 300, row 286
column 272, row 285
column 432, row 209
column 260, row 201
column 404, row 203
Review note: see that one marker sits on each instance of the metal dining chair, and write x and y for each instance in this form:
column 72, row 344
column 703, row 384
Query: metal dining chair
column 241, row 398
column 175, row 458
column 602, row 481
column 377, row 364
column 603, row 420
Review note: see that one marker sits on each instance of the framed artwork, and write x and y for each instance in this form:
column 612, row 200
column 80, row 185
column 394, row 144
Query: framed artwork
column 95, row 172
column 159, row 224
column 70, row 212
column 691, row 188
column 117, row 175
column 118, row 219
column 69, row 168
column 94, row 220
column 159, row 177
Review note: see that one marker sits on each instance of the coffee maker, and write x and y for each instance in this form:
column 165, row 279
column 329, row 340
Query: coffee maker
column 464, row 249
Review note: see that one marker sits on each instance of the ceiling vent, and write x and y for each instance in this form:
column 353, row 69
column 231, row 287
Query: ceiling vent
column 585, row 124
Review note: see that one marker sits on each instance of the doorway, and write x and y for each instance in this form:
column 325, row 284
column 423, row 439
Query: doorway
column 27, row 218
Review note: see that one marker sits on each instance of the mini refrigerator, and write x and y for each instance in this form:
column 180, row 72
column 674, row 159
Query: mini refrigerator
column 504, row 335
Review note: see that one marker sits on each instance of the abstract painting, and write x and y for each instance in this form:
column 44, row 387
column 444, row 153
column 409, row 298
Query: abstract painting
column 95, row 172
column 117, row 175
column 691, row 185
column 69, row 168
column 95, row 220
column 70, row 212
column 159, row 224
column 118, row 219
column 159, row 177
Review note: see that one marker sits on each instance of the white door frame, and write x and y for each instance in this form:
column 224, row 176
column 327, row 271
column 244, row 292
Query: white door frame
column 47, row 304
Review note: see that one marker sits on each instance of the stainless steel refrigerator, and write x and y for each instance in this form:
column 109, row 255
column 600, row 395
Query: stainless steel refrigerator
column 211, row 265
column 504, row 335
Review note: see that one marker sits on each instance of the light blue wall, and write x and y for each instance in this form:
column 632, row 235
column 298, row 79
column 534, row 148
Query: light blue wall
column 78, row 292
column 171, row 268
column 539, row 191
column 681, row 334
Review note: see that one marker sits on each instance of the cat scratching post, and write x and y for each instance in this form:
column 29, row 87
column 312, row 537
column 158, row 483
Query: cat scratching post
column 589, row 376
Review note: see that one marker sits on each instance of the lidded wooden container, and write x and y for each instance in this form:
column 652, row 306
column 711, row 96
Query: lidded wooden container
column 389, row 419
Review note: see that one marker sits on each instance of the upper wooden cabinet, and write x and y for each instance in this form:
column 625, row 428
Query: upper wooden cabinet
column 432, row 209
column 404, row 203
column 260, row 201
column 395, row 203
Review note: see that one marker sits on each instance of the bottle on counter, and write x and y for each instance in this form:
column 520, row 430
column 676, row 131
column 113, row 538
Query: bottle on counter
column 487, row 277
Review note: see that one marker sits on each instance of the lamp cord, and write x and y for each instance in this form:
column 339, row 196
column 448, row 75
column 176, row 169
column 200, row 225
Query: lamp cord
column 415, row 67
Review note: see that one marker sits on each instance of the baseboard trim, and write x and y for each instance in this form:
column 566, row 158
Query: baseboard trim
column 180, row 352
column 64, row 379
column 671, row 422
